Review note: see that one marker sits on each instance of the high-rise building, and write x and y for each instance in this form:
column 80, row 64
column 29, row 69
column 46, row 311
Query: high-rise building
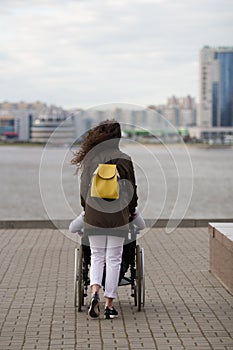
column 216, row 87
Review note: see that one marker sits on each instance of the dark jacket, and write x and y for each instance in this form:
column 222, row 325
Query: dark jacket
column 104, row 216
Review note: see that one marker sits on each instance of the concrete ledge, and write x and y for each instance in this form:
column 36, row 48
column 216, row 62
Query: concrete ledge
column 27, row 224
column 221, row 253
column 184, row 222
column 64, row 224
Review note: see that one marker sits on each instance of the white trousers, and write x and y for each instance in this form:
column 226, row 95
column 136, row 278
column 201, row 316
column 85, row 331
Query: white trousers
column 106, row 250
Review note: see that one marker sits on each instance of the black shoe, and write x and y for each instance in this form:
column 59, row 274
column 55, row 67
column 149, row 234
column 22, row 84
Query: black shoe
column 110, row 313
column 94, row 309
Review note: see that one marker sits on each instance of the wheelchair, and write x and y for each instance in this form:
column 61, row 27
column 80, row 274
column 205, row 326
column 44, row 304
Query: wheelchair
column 131, row 273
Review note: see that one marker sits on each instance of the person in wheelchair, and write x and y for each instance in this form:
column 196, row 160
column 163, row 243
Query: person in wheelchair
column 137, row 222
column 105, row 218
column 77, row 225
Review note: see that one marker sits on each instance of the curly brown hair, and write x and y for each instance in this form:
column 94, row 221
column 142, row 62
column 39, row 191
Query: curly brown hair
column 106, row 130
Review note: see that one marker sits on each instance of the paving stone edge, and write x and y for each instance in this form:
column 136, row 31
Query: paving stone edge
column 63, row 224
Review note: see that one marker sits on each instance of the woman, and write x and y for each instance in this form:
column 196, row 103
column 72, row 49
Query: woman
column 105, row 221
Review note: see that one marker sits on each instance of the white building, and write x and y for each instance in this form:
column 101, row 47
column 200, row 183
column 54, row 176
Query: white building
column 17, row 118
column 53, row 126
column 179, row 111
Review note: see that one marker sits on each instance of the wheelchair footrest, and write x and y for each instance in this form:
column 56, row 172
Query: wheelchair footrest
column 125, row 281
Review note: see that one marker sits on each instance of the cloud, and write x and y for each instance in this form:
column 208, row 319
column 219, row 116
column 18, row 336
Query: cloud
column 84, row 52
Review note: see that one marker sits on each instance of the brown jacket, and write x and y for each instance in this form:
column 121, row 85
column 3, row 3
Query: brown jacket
column 109, row 217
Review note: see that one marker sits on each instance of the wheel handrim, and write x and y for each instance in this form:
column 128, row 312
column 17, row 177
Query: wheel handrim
column 80, row 278
column 75, row 275
column 138, row 277
column 143, row 276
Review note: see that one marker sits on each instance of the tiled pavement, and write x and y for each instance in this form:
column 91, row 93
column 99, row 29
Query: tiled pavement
column 186, row 307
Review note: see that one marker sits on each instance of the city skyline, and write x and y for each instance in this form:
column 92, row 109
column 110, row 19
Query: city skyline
column 81, row 54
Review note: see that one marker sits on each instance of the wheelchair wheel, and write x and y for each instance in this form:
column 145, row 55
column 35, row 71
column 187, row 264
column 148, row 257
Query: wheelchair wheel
column 134, row 294
column 140, row 278
column 143, row 277
column 78, row 279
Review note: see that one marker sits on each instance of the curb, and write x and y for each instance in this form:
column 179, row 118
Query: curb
column 64, row 224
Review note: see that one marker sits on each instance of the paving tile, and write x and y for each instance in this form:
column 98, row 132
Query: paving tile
column 186, row 307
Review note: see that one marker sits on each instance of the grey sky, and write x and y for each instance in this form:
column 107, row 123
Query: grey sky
column 85, row 53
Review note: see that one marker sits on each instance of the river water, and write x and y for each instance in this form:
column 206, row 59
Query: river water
column 173, row 181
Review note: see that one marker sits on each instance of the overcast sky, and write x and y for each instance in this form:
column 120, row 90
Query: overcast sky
column 89, row 52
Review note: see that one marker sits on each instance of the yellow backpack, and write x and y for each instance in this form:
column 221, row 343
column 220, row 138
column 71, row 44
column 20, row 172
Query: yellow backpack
column 105, row 182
